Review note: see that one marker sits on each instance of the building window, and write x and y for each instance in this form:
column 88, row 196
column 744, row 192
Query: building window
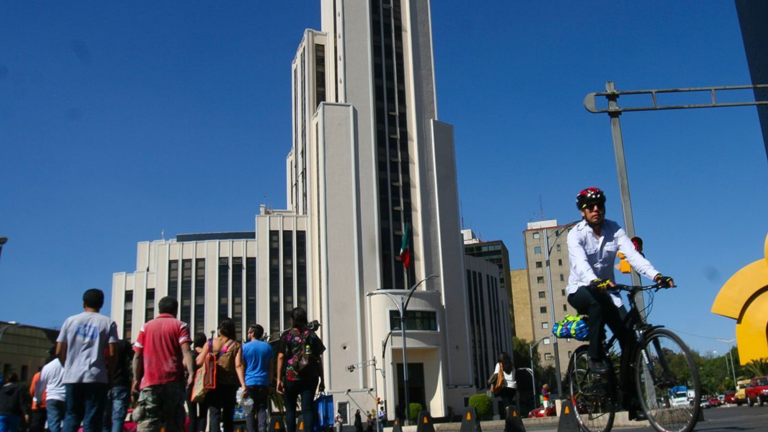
column 538, row 264
column 562, row 291
column 547, row 356
column 545, row 325
column 565, row 308
column 536, row 234
column 537, row 250
column 570, row 353
column 223, row 287
column 288, row 303
column 250, row 291
column 128, row 315
column 301, row 268
column 539, row 279
column 546, row 341
column 542, row 294
column 173, row 278
column 414, row 320
column 185, row 306
column 560, row 262
column 558, row 248
column 199, row 296
column 274, row 281
column 562, row 278
column 237, row 295
column 149, row 311
column 543, row 309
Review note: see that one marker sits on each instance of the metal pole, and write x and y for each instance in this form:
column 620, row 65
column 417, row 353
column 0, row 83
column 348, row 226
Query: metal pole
column 406, row 421
column 552, row 313
column 533, row 373
column 376, row 392
column 621, row 169
column 3, row 240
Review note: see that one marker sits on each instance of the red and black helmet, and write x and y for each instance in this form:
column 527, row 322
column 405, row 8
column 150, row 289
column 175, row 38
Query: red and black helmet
column 590, row 195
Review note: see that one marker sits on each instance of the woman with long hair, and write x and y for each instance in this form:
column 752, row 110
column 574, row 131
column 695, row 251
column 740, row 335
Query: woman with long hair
column 505, row 366
column 299, row 370
column 230, row 374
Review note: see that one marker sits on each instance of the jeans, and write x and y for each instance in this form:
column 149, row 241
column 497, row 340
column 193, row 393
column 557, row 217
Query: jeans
column 221, row 406
column 260, row 396
column 56, row 410
column 116, row 408
column 9, row 423
column 85, row 403
column 306, row 389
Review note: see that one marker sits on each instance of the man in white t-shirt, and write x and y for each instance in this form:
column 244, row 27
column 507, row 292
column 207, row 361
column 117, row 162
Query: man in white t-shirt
column 82, row 346
column 55, row 393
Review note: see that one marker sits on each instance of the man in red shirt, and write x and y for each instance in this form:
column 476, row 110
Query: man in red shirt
column 162, row 352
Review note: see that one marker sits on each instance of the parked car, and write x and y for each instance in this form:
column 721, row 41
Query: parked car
column 678, row 396
column 757, row 391
column 541, row 412
column 741, row 391
column 730, row 397
column 704, row 403
column 714, row 401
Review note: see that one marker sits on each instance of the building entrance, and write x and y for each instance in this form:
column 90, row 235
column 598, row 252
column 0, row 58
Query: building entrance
column 416, row 392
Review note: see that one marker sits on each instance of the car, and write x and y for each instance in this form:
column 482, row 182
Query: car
column 678, row 396
column 542, row 412
column 714, row 401
column 741, row 391
column 730, row 397
column 757, row 391
column 704, row 403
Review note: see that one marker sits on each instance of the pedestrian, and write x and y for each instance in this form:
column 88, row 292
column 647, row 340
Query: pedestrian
column 505, row 366
column 358, row 421
column 14, row 404
column 257, row 360
column 369, row 421
column 545, row 398
column 161, row 355
column 37, row 393
column 197, row 412
column 230, row 374
column 297, row 343
column 83, row 345
column 119, row 396
column 339, row 421
column 51, row 378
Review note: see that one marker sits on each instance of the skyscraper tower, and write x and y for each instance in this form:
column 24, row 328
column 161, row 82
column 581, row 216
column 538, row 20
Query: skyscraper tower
column 369, row 158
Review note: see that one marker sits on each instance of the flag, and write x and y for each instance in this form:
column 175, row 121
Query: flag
column 405, row 253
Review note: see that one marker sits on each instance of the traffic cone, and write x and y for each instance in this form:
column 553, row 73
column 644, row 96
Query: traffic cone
column 425, row 423
column 276, row 424
column 513, row 422
column 469, row 421
column 568, row 420
column 397, row 427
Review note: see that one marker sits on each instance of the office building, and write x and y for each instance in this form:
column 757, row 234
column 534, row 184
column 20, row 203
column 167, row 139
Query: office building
column 542, row 237
column 371, row 168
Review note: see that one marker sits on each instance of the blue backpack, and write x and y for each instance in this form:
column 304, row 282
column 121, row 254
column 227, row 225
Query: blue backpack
column 571, row 327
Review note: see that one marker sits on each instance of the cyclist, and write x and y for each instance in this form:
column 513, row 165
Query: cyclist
column 592, row 247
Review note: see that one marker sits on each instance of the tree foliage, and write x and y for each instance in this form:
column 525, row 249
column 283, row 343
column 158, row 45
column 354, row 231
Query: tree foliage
column 415, row 409
column 482, row 403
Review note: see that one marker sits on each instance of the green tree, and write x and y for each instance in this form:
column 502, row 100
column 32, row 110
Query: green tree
column 482, row 403
column 415, row 409
column 756, row 368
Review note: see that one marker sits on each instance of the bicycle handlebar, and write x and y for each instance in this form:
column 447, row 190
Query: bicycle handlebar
column 637, row 288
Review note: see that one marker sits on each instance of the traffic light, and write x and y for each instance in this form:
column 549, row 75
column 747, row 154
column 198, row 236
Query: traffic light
column 624, row 266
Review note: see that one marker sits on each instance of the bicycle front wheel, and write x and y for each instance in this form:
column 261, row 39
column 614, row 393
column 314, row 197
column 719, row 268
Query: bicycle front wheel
column 667, row 382
column 591, row 394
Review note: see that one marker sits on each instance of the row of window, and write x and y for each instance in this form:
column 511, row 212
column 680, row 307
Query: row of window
column 543, row 309
column 540, row 264
column 540, row 279
column 537, row 249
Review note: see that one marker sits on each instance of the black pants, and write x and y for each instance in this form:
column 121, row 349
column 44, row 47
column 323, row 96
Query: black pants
column 507, row 396
column 598, row 305
column 221, row 406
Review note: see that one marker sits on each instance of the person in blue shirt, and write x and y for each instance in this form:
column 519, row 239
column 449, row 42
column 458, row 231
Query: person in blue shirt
column 257, row 358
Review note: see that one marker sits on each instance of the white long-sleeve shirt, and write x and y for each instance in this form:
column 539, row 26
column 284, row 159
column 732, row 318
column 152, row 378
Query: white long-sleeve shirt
column 593, row 257
column 51, row 379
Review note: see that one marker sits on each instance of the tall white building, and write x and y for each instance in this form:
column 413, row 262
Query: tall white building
column 369, row 157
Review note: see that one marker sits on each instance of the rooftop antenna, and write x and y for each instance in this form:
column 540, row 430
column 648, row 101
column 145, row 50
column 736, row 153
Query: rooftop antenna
column 541, row 207
column 461, row 210
column 162, row 234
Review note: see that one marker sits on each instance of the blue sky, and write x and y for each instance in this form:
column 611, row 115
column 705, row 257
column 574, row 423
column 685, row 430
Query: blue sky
column 121, row 120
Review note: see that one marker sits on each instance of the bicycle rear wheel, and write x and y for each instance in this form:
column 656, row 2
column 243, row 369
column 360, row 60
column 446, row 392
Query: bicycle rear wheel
column 591, row 394
column 665, row 373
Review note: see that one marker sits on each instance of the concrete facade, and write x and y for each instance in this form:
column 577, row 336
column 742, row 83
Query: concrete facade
column 523, row 314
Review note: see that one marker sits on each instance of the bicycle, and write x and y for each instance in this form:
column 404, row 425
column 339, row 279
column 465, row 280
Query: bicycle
column 657, row 360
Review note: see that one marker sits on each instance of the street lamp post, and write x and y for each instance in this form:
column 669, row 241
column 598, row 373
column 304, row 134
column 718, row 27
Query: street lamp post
column 730, row 352
column 533, row 375
column 402, row 307
column 3, row 241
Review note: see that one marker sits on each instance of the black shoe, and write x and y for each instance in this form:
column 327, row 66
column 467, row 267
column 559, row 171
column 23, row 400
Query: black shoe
column 598, row 367
column 637, row 415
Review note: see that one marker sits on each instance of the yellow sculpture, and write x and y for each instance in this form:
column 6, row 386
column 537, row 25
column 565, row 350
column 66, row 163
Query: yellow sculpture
column 744, row 297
